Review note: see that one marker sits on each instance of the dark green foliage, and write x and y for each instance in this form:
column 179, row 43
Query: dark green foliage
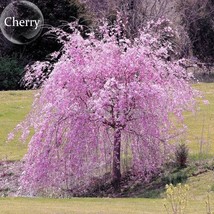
column 56, row 14
column 181, row 155
column 10, row 74
column 175, row 178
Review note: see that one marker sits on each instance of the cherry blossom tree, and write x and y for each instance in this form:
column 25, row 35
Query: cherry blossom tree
column 105, row 102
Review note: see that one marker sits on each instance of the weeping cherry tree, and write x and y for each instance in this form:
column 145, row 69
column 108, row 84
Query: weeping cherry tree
column 104, row 98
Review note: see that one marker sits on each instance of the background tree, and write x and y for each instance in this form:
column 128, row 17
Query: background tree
column 56, row 14
column 136, row 13
column 102, row 102
column 11, row 73
column 197, row 19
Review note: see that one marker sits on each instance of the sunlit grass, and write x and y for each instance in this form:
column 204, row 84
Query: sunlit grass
column 14, row 106
column 200, row 135
column 201, row 185
column 91, row 206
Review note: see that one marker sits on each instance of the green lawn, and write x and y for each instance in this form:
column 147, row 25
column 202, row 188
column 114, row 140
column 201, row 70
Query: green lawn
column 91, row 206
column 201, row 125
column 14, row 105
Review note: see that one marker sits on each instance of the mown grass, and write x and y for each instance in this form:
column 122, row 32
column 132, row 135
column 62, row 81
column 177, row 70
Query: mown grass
column 200, row 134
column 91, row 206
column 201, row 185
column 14, row 106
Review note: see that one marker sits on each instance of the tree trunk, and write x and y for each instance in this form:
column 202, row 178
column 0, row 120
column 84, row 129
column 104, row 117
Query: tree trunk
column 116, row 159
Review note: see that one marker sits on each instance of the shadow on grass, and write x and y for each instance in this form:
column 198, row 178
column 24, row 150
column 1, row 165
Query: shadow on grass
column 156, row 188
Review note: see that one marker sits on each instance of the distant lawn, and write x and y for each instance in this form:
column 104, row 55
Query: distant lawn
column 14, row 106
column 201, row 125
column 91, row 206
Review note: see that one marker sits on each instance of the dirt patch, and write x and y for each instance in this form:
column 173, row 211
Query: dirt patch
column 10, row 172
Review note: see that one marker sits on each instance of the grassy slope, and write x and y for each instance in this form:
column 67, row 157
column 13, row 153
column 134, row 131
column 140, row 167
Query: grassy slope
column 201, row 125
column 14, row 105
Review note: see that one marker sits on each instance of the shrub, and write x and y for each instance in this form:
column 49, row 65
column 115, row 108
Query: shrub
column 175, row 178
column 181, row 155
column 176, row 198
column 10, row 74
